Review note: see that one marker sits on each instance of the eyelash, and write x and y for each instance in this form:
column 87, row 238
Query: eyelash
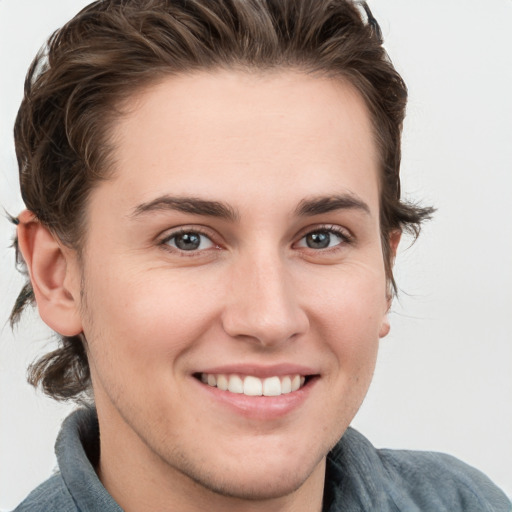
column 345, row 237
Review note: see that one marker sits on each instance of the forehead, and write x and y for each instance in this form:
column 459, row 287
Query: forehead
column 198, row 134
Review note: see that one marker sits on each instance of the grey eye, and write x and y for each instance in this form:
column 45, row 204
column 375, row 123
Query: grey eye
column 190, row 241
column 321, row 240
column 318, row 240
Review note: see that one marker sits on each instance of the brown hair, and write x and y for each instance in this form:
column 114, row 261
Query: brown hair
column 112, row 48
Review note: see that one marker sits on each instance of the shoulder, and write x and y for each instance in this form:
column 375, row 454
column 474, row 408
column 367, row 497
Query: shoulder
column 50, row 495
column 443, row 480
column 414, row 480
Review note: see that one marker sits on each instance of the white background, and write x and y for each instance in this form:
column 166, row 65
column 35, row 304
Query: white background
column 444, row 378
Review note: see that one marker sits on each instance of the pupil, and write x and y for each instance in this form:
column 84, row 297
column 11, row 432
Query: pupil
column 188, row 241
column 319, row 240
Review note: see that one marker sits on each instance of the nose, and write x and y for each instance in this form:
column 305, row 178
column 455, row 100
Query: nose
column 262, row 304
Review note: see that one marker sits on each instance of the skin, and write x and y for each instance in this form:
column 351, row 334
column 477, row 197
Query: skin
column 253, row 295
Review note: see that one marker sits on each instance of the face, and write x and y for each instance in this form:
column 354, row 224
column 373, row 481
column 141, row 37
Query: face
column 235, row 252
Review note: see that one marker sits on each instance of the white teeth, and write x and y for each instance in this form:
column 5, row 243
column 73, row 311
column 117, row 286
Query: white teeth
column 254, row 386
column 236, row 384
column 286, row 385
column 222, row 382
column 272, row 386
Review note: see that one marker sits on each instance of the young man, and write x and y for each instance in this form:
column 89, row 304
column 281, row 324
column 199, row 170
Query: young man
column 213, row 209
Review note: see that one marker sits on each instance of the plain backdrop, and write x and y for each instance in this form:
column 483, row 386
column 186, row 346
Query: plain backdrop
column 444, row 376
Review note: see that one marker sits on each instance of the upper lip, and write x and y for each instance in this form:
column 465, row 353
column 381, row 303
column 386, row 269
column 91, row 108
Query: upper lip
column 262, row 371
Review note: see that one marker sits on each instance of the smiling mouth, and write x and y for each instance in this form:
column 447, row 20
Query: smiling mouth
column 250, row 385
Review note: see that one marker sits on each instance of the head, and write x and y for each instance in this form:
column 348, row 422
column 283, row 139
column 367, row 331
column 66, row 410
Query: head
column 117, row 61
column 109, row 51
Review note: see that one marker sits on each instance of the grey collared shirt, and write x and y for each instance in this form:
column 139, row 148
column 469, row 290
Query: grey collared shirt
column 358, row 478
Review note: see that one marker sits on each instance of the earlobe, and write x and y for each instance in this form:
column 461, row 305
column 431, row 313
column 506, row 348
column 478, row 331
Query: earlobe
column 53, row 275
column 384, row 327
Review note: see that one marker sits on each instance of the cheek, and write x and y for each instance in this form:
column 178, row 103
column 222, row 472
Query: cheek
column 352, row 299
column 148, row 318
column 350, row 318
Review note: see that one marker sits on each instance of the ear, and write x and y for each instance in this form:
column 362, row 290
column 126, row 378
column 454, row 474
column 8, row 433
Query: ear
column 394, row 240
column 54, row 274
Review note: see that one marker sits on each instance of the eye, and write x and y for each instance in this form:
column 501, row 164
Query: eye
column 323, row 239
column 189, row 241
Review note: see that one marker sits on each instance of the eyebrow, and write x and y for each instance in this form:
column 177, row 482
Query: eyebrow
column 196, row 206
column 192, row 205
column 326, row 204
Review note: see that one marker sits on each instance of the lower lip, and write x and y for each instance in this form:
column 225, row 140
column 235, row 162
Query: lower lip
column 259, row 407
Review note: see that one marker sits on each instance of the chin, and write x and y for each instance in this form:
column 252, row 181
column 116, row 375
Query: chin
column 260, row 473
column 256, row 485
